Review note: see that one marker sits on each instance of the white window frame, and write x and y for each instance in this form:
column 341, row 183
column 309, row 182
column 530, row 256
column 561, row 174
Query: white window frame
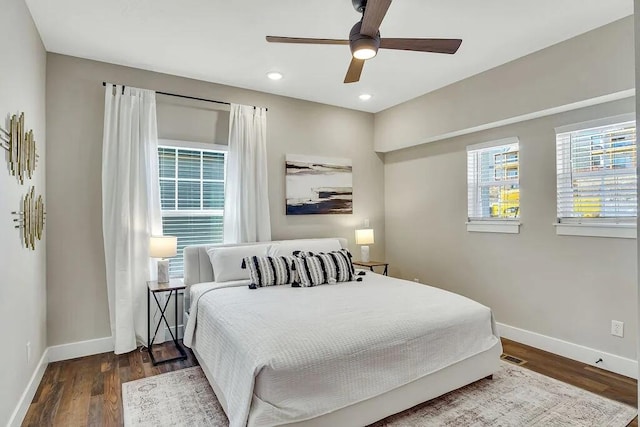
column 191, row 145
column 490, row 225
column 596, row 227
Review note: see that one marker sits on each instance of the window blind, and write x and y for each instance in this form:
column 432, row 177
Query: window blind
column 493, row 180
column 191, row 197
column 596, row 174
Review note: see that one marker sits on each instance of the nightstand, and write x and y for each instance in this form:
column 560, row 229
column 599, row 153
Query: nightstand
column 371, row 264
column 154, row 288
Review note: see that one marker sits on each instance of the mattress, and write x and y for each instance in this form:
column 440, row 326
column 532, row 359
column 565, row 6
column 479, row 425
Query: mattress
column 288, row 354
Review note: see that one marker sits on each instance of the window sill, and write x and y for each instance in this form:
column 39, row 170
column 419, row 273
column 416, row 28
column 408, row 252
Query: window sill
column 506, row 227
column 619, row 231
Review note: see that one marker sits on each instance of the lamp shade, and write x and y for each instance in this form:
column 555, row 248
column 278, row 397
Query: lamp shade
column 163, row 246
column 364, row 236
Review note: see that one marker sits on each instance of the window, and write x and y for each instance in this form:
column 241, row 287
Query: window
column 493, row 178
column 191, row 196
column 597, row 189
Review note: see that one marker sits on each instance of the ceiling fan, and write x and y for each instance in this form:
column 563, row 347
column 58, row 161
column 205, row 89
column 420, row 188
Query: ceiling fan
column 364, row 39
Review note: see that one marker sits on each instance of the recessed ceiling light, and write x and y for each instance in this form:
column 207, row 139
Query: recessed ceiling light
column 365, row 97
column 274, row 75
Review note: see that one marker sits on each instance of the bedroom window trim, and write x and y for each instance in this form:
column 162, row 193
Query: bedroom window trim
column 192, row 145
column 486, row 224
column 177, row 271
column 621, row 227
column 620, row 231
column 494, row 226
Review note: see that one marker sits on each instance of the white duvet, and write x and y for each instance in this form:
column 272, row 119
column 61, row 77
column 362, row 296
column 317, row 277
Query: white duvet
column 283, row 354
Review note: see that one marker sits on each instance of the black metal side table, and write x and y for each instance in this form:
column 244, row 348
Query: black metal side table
column 154, row 288
column 371, row 264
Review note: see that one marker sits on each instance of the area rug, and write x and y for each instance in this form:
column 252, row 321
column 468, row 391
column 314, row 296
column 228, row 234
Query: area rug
column 515, row 397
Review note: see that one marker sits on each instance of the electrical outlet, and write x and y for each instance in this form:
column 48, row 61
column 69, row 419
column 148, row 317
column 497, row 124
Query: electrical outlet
column 28, row 352
column 617, row 328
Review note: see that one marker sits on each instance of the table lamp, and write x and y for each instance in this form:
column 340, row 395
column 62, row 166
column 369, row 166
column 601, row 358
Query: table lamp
column 163, row 247
column 364, row 237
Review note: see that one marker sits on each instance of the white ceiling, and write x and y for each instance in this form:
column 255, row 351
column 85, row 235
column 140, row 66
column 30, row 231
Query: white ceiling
column 223, row 41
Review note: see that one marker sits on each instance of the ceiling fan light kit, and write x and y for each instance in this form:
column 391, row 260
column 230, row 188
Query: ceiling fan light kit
column 362, row 46
column 364, row 52
column 364, row 38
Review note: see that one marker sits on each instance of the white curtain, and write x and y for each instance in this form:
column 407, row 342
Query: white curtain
column 246, row 201
column 130, row 208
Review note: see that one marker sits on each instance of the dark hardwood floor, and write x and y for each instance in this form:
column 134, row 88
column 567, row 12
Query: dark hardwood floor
column 87, row 391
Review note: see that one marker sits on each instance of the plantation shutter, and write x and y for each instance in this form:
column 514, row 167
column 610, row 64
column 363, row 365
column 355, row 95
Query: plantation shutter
column 596, row 171
column 493, row 180
column 192, row 198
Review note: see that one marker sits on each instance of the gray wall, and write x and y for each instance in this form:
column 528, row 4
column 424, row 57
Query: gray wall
column 77, row 296
column 637, row 56
column 188, row 120
column 597, row 63
column 561, row 286
column 23, row 290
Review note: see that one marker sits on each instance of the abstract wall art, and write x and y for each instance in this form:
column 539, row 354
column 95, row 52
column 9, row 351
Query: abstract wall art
column 318, row 185
column 30, row 218
column 21, row 146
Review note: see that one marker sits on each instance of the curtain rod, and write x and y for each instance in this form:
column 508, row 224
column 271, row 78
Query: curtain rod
column 187, row 97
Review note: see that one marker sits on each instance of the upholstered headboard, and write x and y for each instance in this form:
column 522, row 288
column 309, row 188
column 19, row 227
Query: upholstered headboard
column 197, row 266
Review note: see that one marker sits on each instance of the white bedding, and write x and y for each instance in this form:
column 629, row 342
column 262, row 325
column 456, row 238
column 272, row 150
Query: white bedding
column 283, row 354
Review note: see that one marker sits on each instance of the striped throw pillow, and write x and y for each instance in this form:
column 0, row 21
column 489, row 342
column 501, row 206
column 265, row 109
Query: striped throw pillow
column 344, row 271
column 318, row 269
column 311, row 271
column 270, row 271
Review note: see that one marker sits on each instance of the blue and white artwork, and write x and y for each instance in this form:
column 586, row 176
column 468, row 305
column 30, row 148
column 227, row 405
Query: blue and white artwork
column 318, row 185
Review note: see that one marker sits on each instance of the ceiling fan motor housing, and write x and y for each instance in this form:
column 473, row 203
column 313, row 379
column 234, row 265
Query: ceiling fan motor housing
column 359, row 5
column 359, row 41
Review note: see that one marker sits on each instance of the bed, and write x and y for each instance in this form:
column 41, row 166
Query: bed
column 345, row 354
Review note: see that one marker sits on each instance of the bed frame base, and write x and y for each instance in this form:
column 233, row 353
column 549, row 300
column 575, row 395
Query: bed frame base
column 480, row 366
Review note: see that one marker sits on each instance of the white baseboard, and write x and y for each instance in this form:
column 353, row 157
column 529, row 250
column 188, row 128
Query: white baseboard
column 80, row 349
column 610, row 362
column 27, row 396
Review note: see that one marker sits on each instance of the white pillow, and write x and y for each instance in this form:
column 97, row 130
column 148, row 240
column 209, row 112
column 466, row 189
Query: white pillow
column 227, row 261
column 288, row 247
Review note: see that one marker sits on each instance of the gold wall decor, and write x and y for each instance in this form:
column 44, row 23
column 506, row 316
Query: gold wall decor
column 31, row 218
column 21, row 146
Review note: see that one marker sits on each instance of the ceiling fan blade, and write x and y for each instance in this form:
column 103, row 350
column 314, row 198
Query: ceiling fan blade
column 449, row 46
column 374, row 13
column 354, row 71
column 302, row 40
